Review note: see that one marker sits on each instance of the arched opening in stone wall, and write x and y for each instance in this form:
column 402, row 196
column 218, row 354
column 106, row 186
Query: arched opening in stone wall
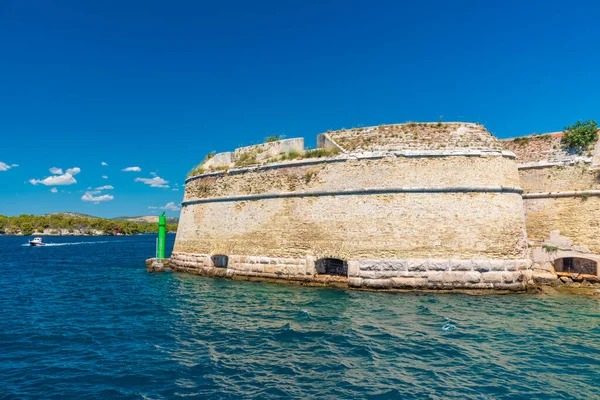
column 331, row 266
column 220, row 260
column 576, row 265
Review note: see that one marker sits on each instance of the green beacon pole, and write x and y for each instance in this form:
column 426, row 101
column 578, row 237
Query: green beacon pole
column 162, row 236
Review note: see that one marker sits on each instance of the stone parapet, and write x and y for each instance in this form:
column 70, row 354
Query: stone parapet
column 350, row 156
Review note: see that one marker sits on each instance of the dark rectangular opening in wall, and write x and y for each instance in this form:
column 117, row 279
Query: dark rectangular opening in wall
column 220, row 261
column 576, row 265
column 332, row 266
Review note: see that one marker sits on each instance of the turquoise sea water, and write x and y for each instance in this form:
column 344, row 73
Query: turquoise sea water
column 83, row 319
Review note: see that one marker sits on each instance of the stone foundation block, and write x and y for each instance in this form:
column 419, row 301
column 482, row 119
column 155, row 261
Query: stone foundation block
column 497, row 265
column 523, row 265
column 482, row 265
column 492, row 277
column 461, row 265
column 510, row 265
column 416, row 264
column 438, row 265
column 435, row 276
column 353, row 268
column 378, row 283
column 355, row 282
column 379, row 274
column 287, row 269
column 511, row 276
column 310, row 268
column 452, row 277
column 472, row 277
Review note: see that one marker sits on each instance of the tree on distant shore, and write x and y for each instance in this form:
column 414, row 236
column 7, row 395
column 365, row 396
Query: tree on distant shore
column 27, row 229
column 581, row 134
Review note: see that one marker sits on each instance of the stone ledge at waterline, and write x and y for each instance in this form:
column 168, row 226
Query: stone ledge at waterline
column 407, row 274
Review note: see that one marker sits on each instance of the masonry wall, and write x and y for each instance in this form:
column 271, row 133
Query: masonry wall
column 560, row 178
column 576, row 215
column 422, row 215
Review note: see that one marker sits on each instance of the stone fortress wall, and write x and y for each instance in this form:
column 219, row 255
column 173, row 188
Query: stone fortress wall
column 562, row 200
column 408, row 206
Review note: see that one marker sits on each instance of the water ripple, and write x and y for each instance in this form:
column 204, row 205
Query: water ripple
column 89, row 322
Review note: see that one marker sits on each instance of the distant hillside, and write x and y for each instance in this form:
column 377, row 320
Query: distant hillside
column 69, row 214
column 146, row 218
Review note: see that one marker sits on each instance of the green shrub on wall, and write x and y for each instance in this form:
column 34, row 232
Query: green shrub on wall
column 581, row 134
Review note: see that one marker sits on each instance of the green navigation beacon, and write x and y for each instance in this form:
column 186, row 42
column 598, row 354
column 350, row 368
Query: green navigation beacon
column 162, row 236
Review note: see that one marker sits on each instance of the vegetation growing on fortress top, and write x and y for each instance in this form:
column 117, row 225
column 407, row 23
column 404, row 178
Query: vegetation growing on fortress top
column 250, row 157
column 416, row 136
column 581, row 134
column 576, row 140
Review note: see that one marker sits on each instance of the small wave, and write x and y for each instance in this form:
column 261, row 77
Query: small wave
column 448, row 326
column 305, row 312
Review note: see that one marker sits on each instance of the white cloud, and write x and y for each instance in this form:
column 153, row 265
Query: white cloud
column 89, row 196
column 157, row 181
column 131, row 169
column 175, row 189
column 153, row 173
column 105, row 187
column 104, row 177
column 54, row 190
column 58, row 180
column 6, row 167
column 56, row 171
column 104, row 164
column 171, row 206
column 14, row 165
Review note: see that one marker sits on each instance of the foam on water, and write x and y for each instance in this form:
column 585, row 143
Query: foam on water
column 69, row 243
column 90, row 322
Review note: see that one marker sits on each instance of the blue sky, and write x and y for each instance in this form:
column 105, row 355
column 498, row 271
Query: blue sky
column 157, row 84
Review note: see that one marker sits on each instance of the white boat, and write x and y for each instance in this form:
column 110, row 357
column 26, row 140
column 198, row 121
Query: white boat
column 36, row 242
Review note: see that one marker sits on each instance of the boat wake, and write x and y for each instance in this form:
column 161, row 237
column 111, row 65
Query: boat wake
column 71, row 243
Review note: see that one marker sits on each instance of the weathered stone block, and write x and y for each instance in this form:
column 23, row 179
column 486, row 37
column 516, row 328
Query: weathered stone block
column 472, row 277
column 452, row 277
column 353, row 268
column 287, row 269
column 481, row 265
column 511, row 276
column 461, row 265
column 269, row 269
column 435, row 276
column 438, row 265
column 379, row 274
column 377, row 283
column 510, row 265
column 417, row 264
column 309, row 268
column 497, row 265
column 406, row 283
column 492, row 277
column 355, row 282
column 523, row 265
